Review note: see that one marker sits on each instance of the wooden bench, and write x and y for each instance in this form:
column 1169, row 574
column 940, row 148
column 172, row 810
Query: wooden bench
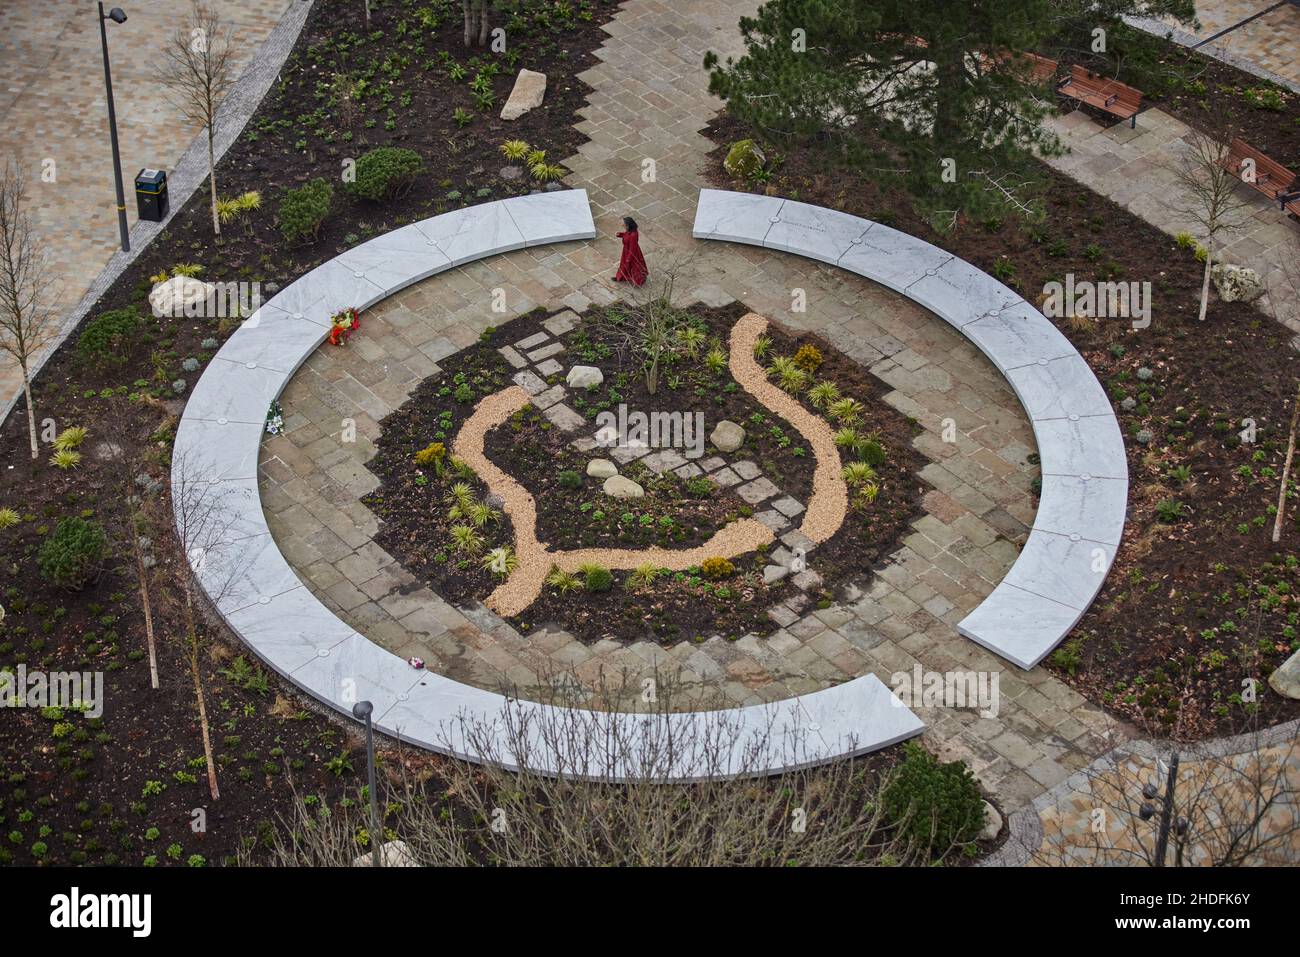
column 1270, row 177
column 1037, row 69
column 1105, row 94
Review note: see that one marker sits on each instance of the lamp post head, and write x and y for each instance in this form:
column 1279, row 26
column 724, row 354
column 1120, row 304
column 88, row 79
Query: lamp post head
column 117, row 15
column 362, row 710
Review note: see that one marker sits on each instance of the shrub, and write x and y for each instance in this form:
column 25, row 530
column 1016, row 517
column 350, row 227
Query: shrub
column 432, row 454
column 385, row 172
column 872, row 452
column 8, row 517
column 564, row 582
column 597, row 578
column 515, row 149
column 107, row 339
column 934, row 805
column 65, row 459
column 570, row 479
column 716, row 568
column 302, row 210
column 70, row 556
column 808, row 358
column 70, row 438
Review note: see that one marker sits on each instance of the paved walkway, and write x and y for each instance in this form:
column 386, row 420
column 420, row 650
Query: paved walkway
column 1137, row 168
column 52, row 91
column 1268, row 42
column 649, row 101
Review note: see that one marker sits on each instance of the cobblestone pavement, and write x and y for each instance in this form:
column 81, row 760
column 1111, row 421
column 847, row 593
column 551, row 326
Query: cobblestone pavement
column 1137, row 168
column 52, row 94
column 1268, row 42
column 649, row 102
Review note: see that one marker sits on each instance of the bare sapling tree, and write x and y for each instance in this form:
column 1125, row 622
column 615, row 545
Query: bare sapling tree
column 1283, row 300
column 478, row 23
column 201, row 524
column 27, row 293
column 647, row 324
column 1210, row 183
column 612, row 801
column 196, row 69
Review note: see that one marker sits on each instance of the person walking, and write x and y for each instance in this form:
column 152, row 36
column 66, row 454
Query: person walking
column 631, row 265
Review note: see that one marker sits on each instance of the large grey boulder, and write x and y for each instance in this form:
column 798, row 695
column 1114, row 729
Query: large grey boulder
column 992, row 823
column 584, row 377
column 1286, row 680
column 601, row 468
column 727, row 436
column 528, row 92
column 1236, row 283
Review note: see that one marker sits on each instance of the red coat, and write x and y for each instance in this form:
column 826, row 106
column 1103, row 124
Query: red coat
column 631, row 266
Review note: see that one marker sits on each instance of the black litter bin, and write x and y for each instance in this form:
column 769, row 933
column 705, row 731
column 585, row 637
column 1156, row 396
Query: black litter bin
column 151, row 195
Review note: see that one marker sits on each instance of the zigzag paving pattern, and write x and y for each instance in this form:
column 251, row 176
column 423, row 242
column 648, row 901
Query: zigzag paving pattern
column 650, row 99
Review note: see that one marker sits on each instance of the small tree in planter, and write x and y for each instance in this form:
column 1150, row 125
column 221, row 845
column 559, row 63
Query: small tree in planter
column 26, row 291
column 196, row 68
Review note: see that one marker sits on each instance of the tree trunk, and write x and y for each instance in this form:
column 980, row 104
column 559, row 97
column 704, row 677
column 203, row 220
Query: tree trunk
column 467, row 8
column 142, row 573
column 1205, row 282
column 31, row 413
column 485, row 25
column 1286, row 467
column 367, row 12
column 198, row 692
column 212, row 182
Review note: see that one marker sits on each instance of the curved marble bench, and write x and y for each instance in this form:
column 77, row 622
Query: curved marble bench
column 219, row 514
column 1085, row 473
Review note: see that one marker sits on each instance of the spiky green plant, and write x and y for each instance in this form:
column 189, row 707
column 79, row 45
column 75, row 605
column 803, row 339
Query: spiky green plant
column 65, row 459
column 823, row 394
column 866, row 495
column 8, row 517
column 857, row 474
column 846, row 411
column 564, row 582
column 501, row 561
column 536, row 157
column 762, row 345
column 546, row 172
column 461, row 499
column 70, row 438
column 691, row 340
column 792, row 379
column 643, row 576
column 847, row 438
column 716, row 360
column 482, row 514
column 515, row 150
column 466, row 539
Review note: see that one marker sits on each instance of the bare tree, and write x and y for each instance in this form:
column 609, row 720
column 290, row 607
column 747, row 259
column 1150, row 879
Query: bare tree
column 26, row 290
column 201, row 515
column 612, row 804
column 477, row 22
column 1210, row 182
column 646, row 324
column 196, row 69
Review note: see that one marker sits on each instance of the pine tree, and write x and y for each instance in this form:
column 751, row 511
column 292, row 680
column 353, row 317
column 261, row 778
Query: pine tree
column 930, row 92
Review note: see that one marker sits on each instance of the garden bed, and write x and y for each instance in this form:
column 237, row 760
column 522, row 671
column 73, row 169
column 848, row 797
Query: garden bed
column 690, row 493
column 80, row 789
column 1199, row 606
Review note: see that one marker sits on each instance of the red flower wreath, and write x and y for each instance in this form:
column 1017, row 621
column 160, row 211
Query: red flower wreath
column 346, row 322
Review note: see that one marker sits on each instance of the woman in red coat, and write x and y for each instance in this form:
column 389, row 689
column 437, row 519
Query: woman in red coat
column 631, row 266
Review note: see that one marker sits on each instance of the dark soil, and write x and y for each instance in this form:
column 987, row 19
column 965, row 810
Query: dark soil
column 1199, row 599
column 675, row 512
column 80, row 790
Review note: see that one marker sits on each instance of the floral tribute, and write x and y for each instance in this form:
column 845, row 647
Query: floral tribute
column 345, row 322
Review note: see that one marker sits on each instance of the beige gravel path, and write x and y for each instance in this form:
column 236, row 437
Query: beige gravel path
column 826, row 508
column 829, row 503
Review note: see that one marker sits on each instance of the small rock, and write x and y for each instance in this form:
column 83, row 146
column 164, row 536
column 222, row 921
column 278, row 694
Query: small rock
column 391, row 854
column 584, row 377
column 510, row 173
column 744, row 159
column 601, row 468
column 528, row 93
column 727, row 436
column 1286, row 680
column 620, row 486
column 992, row 823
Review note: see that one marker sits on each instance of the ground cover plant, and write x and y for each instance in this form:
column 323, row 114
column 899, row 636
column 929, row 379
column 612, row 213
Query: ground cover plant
column 427, row 508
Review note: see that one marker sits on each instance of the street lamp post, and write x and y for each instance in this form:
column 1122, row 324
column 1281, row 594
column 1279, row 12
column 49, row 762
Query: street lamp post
column 1166, row 813
column 362, row 711
column 117, row 16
